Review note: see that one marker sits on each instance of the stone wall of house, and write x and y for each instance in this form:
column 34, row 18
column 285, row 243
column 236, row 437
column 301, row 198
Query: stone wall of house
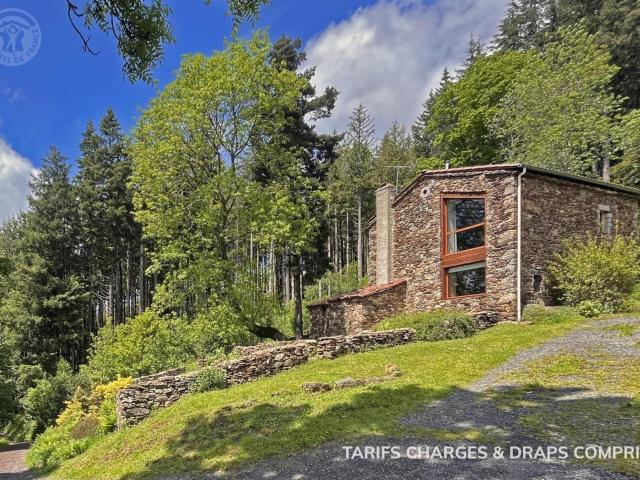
column 556, row 210
column 146, row 394
column 417, row 237
column 356, row 312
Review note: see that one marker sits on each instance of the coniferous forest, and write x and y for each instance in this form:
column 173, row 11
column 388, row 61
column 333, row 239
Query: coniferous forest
column 224, row 210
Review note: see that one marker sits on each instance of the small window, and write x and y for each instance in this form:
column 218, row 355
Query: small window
column 466, row 279
column 537, row 282
column 605, row 219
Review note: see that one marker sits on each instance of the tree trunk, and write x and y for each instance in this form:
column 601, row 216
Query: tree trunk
column 287, row 279
column 360, row 259
column 297, row 294
column 347, row 241
column 606, row 168
column 141, row 282
column 336, row 250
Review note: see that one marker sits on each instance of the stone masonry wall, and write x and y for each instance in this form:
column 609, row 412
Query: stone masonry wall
column 146, row 394
column 417, row 240
column 355, row 312
column 555, row 210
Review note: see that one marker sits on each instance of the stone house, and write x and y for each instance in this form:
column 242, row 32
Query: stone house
column 477, row 238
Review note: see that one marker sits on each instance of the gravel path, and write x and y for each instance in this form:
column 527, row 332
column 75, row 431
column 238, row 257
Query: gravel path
column 12, row 465
column 472, row 409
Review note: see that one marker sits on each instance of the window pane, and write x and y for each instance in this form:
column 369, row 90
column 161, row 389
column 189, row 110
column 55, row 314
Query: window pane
column 465, row 212
column 466, row 279
column 460, row 241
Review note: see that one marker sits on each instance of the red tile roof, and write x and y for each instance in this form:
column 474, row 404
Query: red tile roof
column 360, row 293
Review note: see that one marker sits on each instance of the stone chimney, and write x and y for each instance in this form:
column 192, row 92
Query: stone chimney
column 384, row 234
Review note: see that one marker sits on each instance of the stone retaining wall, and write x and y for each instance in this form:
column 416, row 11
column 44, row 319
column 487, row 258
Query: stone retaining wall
column 149, row 393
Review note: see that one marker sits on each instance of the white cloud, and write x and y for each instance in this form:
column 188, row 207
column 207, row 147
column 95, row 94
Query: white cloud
column 389, row 55
column 15, row 173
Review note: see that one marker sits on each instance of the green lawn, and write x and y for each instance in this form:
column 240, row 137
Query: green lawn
column 219, row 429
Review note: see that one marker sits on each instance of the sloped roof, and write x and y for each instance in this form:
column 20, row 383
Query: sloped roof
column 360, row 293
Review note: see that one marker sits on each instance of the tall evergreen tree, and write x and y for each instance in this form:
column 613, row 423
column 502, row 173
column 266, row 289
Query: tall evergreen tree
column 49, row 294
column 110, row 236
column 313, row 153
column 423, row 136
column 353, row 173
column 395, row 157
column 525, row 24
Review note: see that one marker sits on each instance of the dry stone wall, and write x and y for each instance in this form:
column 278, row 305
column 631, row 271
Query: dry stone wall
column 146, row 394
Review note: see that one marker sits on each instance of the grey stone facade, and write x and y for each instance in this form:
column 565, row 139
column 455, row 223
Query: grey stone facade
column 555, row 208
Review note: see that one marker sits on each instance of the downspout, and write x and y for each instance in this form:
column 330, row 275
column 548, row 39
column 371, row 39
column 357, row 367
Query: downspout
column 519, row 247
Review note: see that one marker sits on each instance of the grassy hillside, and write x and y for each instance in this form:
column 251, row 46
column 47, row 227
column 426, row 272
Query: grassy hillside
column 271, row 416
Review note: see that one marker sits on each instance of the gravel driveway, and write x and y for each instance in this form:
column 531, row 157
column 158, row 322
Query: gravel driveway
column 12, row 465
column 488, row 409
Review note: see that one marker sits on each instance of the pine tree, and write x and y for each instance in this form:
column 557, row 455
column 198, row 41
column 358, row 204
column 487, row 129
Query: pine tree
column 423, row 136
column 525, row 24
column 110, row 237
column 313, row 154
column 395, row 157
column 353, row 174
column 49, row 288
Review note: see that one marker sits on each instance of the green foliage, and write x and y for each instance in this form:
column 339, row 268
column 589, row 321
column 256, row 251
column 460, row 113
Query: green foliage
column 18, row 429
column 627, row 172
column 395, row 157
column 596, row 275
column 463, row 111
column 150, row 343
column 193, row 152
column 142, row 29
column 433, row 326
column 88, row 415
column 44, row 402
column 8, row 403
column 54, row 446
column 146, row 344
column 550, row 315
column 559, row 113
column 335, row 283
column 208, row 379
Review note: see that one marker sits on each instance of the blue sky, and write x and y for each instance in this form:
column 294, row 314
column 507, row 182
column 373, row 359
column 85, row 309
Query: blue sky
column 386, row 54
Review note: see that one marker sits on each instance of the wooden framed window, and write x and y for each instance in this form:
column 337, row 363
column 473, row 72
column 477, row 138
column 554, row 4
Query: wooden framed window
column 464, row 252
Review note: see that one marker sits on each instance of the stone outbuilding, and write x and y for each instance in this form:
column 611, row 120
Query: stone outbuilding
column 476, row 238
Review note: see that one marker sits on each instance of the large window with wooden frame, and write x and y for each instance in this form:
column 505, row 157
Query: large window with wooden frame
column 463, row 245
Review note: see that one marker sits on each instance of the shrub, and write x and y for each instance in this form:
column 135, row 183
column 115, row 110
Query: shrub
column 542, row 314
column 87, row 416
column 335, row 283
column 19, row 429
column 150, row 343
column 208, row 379
column 54, row 446
column 596, row 275
column 441, row 324
column 45, row 400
